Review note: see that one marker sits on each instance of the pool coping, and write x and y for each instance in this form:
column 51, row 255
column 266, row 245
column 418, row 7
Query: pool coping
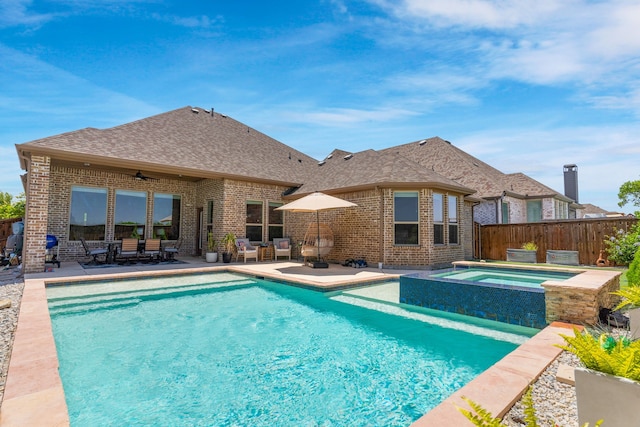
column 34, row 394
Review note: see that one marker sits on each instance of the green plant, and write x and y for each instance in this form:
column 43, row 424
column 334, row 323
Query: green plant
column 622, row 246
column 480, row 417
column 630, row 297
column 633, row 274
column 604, row 353
column 134, row 233
column 530, row 246
column 212, row 244
column 10, row 208
column 229, row 242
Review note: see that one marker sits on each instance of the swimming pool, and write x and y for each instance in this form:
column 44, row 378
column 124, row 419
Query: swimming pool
column 225, row 349
column 503, row 276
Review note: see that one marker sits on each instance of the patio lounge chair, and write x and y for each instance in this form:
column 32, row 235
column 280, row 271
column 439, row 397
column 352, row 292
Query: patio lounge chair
column 128, row 249
column 246, row 250
column 95, row 253
column 311, row 242
column 152, row 249
column 281, row 247
column 171, row 251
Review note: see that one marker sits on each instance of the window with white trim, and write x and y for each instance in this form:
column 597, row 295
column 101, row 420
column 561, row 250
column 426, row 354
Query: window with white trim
column 452, row 209
column 255, row 221
column 438, row 219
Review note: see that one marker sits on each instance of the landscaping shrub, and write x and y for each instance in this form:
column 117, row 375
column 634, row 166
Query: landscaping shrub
column 633, row 275
column 621, row 247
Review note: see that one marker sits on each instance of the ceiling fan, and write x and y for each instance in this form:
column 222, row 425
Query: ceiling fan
column 140, row 176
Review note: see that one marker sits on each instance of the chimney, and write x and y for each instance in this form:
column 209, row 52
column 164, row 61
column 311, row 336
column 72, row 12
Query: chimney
column 571, row 182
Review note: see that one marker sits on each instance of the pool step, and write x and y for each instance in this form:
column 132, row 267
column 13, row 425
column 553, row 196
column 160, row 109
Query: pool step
column 397, row 310
column 116, row 299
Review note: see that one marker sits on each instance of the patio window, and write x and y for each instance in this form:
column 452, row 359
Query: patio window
column 562, row 209
column 208, row 218
column 276, row 221
column 130, row 214
column 254, row 221
column 534, row 210
column 438, row 219
column 88, row 216
column 405, row 217
column 505, row 213
column 166, row 216
column 452, row 209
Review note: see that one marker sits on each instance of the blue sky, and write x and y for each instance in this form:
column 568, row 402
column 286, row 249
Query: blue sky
column 524, row 86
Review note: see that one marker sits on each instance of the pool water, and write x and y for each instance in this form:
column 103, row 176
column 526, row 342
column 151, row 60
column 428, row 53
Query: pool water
column 225, row 350
column 512, row 277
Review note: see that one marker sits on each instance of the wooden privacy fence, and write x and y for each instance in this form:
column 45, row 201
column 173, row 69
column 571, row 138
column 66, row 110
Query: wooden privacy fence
column 585, row 236
column 5, row 230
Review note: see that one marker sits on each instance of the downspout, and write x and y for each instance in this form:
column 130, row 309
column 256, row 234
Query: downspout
column 473, row 229
column 381, row 226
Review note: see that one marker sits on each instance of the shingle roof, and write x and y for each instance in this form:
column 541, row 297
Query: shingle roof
column 202, row 144
column 189, row 139
column 525, row 185
column 443, row 157
column 350, row 171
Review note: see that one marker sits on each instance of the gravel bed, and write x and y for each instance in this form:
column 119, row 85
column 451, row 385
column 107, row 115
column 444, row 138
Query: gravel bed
column 554, row 402
column 11, row 287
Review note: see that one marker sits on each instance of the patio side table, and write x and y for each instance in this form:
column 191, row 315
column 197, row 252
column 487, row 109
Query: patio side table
column 266, row 251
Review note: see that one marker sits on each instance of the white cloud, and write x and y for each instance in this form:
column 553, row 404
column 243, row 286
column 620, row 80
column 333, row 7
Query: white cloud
column 202, row 21
column 474, row 13
column 16, row 13
column 346, row 117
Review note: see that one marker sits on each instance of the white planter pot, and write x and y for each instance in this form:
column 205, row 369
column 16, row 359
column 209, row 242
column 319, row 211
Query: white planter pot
column 606, row 397
column 522, row 255
column 211, row 256
column 634, row 322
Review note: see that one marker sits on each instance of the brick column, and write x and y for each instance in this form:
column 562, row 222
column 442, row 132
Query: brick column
column 37, row 212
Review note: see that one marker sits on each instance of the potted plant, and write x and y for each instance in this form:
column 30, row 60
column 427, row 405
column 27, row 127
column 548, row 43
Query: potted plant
column 527, row 253
column 212, row 249
column 229, row 245
column 608, row 387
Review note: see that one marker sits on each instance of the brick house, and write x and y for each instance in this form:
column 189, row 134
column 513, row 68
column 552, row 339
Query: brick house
column 180, row 174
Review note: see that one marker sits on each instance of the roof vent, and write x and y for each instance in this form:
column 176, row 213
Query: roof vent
column 329, row 156
column 195, row 110
column 348, row 156
column 422, row 142
column 321, row 163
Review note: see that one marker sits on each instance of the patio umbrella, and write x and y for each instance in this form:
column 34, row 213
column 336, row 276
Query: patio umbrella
column 316, row 202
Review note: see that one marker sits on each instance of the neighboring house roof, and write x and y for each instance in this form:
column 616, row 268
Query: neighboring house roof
column 529, row 187
column 588, row 208
column 184, row 141
column 443, row 157
column 344, row 171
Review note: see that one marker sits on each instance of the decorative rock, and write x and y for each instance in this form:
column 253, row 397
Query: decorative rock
column 5, row 303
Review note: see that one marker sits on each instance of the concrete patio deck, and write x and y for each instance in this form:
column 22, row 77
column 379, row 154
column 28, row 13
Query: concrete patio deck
column 34, row 395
